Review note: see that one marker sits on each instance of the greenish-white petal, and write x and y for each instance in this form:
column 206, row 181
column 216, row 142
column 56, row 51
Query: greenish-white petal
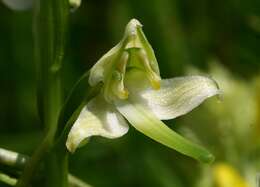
column 147, row 123
column 74, row 4
column 97, row 118
column 104, row 64
column 18, row 4
column 176, row 97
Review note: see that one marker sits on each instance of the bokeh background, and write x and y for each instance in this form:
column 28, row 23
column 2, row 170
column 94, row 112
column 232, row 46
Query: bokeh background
column 217, row 38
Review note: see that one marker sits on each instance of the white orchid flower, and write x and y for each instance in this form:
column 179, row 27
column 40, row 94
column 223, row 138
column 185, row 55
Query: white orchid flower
column 133, row 91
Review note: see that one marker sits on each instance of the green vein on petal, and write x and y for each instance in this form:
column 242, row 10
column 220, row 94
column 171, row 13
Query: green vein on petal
column 145, row 122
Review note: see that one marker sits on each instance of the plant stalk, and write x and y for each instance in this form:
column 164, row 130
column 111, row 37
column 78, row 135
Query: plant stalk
column 50, row 28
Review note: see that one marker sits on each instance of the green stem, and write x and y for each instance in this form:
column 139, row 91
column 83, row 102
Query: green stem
column 58, row 168
column 50, row 28
column 33, row 163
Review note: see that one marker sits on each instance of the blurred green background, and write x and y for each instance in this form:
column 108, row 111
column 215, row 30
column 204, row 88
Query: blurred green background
column 216, row 38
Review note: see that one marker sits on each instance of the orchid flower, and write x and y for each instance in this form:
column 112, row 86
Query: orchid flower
column 133, row 91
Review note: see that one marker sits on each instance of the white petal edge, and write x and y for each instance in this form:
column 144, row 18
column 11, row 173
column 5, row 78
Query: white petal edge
column 18, row 4
column 97, row 118
column 97, row 72
column 146, row 122
column 177, row 96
